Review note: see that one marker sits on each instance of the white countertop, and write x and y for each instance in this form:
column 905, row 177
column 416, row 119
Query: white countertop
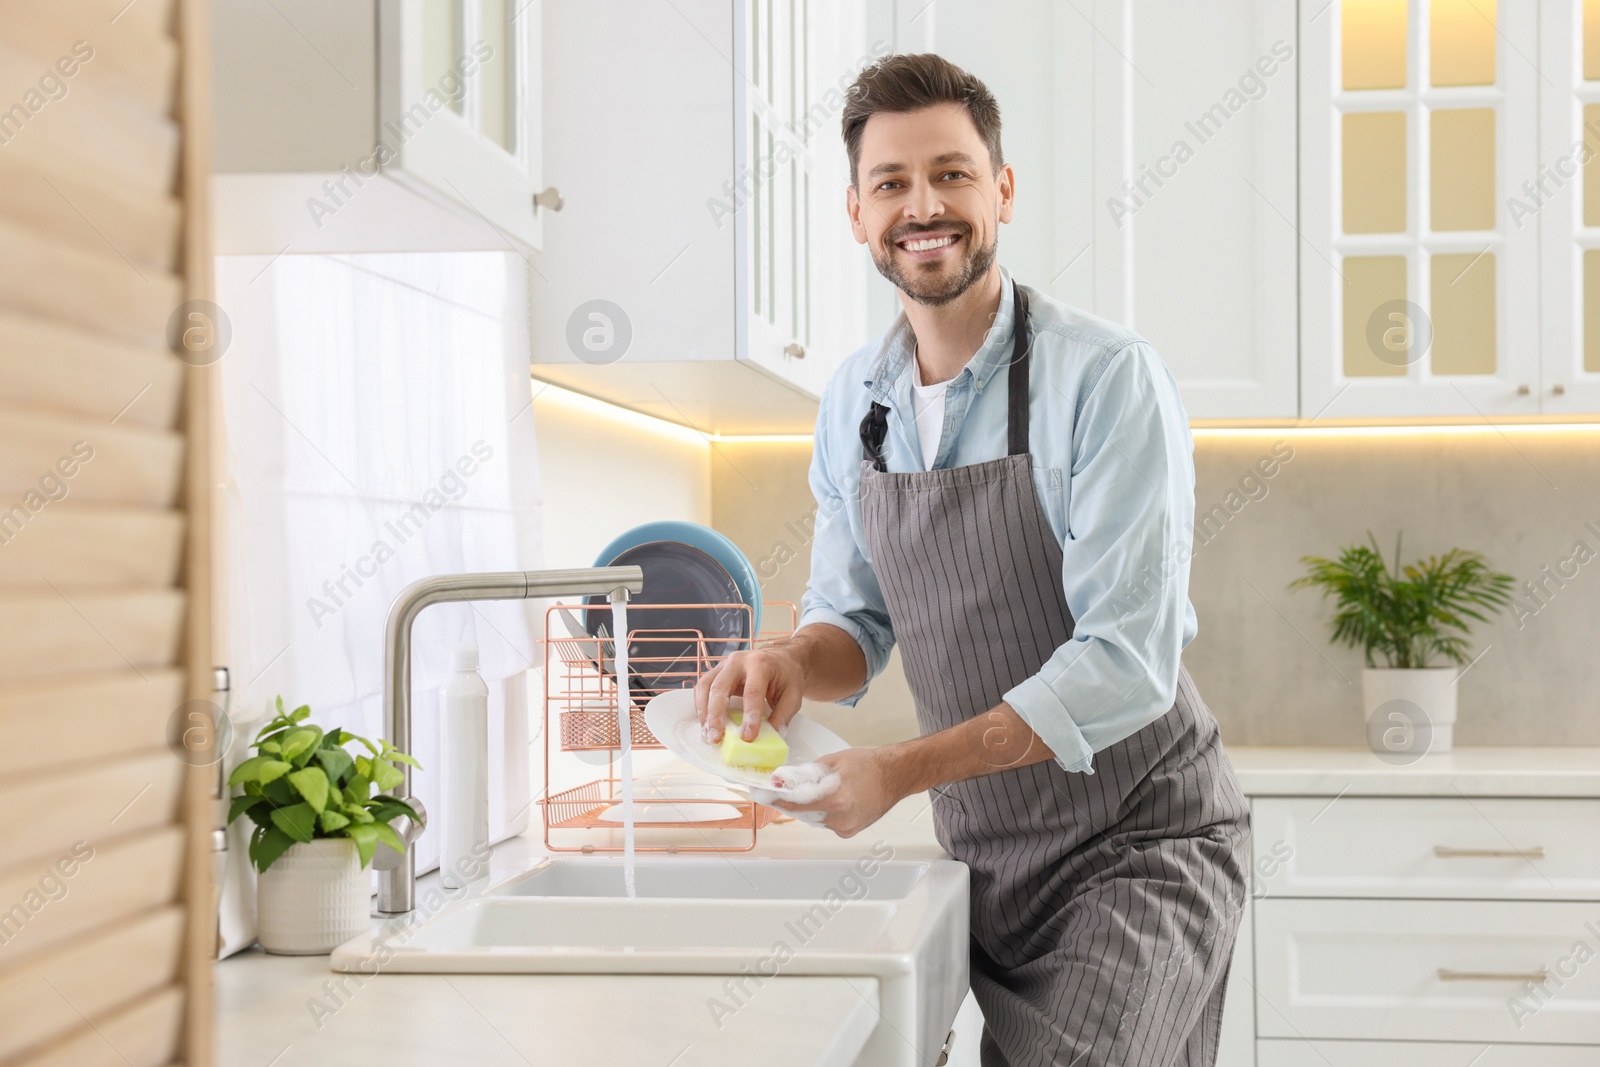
column 268, row 1009
column 1473, row 772
column 267, row 1015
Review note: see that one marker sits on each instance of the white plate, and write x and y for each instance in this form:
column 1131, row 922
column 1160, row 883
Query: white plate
column 719, row 791
column 665, row 812
column 684, row 785
column 671, row 718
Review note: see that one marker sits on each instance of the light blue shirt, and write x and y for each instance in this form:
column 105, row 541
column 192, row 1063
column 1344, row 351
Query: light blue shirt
column 1113, row 462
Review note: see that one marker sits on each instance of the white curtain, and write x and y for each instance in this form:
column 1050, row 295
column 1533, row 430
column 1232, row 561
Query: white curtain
column 379, row 430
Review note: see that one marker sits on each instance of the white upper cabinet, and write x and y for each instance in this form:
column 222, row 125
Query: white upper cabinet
column 378, row 125
column 459, row 91
column 702, row 269
column 1327, row 209
column 1419, row 275
column 1194, row 178
column 1380, row 208
column 791, row 236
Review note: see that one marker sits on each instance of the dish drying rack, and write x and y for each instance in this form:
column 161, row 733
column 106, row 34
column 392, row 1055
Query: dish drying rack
column 580, row 702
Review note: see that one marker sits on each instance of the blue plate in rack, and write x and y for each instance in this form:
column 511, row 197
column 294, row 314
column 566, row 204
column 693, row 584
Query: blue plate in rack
column 667, row 643
column 707, row 540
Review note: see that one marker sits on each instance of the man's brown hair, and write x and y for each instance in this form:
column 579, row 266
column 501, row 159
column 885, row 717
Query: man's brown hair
column 901, row 83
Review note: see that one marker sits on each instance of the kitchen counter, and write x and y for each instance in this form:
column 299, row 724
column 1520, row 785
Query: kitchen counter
column 283, row 1011
column 1473, row 772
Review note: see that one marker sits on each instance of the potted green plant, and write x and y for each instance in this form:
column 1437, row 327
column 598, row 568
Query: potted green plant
column 1412, row 615
column 319, row 813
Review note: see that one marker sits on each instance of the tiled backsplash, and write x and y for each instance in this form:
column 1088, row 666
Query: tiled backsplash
column 1262, row 659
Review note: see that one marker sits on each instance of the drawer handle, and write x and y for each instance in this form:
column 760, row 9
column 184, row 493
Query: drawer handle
column 1446, row 853
column 1538, row 977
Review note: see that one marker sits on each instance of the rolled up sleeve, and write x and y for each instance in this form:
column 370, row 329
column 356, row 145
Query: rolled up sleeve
column 1125, row 565
column 843, row 590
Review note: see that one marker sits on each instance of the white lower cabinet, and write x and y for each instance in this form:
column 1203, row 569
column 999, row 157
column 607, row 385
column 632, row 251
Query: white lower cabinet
column 1423, row 931
column 1419, row 1054
column 1491, row 848
column 1237, row 1045
column 1428, row 970
column 1453, row 931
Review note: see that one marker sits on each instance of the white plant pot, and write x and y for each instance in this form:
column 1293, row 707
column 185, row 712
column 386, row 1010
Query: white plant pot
column 1410, row 709
column 312, row 899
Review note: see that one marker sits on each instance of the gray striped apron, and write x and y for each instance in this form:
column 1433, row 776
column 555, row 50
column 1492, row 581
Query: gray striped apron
column 1104, row 906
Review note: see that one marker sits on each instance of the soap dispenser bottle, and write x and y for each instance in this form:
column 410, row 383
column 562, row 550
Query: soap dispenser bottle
column 464, row 738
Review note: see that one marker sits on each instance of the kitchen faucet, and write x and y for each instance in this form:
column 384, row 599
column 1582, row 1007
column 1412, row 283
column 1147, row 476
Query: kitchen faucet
column 398, row 871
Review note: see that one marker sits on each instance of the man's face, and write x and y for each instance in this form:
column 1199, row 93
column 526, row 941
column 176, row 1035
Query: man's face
column 929, row 204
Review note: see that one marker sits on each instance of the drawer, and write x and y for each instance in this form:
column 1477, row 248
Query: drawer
column 1419, row 1054
column 1428, row 970
column 1437, row 847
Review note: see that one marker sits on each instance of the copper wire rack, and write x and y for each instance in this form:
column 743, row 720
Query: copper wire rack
column 580, row 720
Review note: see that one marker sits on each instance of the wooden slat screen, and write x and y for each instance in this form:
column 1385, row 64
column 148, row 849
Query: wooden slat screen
column 106, row 914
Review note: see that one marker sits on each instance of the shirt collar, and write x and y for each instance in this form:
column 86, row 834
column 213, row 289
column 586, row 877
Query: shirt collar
column 991, row 356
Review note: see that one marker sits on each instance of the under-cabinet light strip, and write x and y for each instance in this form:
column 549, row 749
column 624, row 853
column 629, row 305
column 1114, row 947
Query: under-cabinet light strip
column 1401, row 430
column 591, row 405
column 543, row 391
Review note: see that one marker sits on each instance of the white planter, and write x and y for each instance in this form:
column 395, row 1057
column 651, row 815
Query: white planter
column 313, row 898
column 1410, row 712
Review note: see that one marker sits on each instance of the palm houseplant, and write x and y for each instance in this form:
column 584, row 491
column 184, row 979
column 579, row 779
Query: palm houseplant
column 320, row 812
column 1413, row 617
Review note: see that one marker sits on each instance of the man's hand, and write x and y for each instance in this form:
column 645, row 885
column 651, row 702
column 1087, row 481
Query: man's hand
column 770, row 682
column 819, row 661
column 867, row 789
column 873, row 780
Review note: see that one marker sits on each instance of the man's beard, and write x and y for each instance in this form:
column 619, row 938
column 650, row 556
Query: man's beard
column 935, row 292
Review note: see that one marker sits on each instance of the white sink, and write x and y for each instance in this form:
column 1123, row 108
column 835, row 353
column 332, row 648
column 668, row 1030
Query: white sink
column 902, row 922
column 715, row 878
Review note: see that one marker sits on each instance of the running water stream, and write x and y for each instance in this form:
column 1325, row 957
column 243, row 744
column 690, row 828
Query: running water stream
column 619, row 620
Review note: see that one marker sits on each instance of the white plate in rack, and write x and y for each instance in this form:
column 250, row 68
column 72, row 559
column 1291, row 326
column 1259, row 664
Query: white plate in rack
column 666, row 811
column 685, row 785
column 671, row 718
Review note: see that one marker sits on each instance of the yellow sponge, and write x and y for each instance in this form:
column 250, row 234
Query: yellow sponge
column 767, row 752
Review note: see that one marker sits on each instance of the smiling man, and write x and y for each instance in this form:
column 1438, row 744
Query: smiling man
column 1005, row 488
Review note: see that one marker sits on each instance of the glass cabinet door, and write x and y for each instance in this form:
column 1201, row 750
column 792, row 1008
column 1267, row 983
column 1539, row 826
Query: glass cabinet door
column 1419, row 279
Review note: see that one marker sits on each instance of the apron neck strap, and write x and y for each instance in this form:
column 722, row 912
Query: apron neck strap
column 875, row 426
column 1018, row 376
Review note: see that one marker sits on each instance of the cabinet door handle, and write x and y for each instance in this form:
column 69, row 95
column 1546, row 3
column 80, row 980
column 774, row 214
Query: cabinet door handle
column 1447, row 975
column 1523, row 390
column 1444, row 852
column 1558, row 389
column 548, row 198
column 795, row 350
